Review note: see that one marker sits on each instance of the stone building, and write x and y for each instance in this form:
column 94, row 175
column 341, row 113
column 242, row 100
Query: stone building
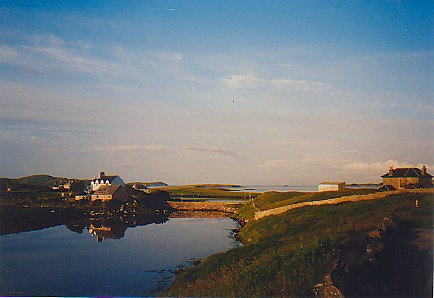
column 331, row 186
column 404, row 178
column 110, row 192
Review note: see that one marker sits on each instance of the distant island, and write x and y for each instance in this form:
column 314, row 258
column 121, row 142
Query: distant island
column 149, row 184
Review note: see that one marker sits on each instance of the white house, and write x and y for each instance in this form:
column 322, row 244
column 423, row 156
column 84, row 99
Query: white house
column 105, row 188
column 106, row 180
column 331, row 186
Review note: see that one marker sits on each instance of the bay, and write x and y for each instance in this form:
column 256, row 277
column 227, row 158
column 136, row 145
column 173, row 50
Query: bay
column 108, row 261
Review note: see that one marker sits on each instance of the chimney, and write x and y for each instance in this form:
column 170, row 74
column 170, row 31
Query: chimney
column 391, row 171
column 423, row 170
column 101, row 174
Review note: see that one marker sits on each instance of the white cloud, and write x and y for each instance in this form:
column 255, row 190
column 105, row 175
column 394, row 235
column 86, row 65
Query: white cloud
column 243, row 81
column 284, row 83
column 380, row 166
column 251, row 81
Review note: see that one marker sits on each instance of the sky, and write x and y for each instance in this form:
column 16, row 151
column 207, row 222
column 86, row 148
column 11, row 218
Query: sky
column 243, row 92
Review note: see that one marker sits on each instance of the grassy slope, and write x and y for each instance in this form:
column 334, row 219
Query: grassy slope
column 271, row 200
column 286, row 255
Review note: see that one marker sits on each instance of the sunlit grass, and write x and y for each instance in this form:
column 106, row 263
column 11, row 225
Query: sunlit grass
column 287, row 254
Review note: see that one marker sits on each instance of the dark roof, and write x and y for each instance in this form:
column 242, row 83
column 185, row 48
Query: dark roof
column 406, row 172
column 106, row 177
column 107, row 190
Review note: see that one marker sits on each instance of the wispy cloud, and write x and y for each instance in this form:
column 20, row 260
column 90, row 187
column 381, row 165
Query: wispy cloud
column 218, row 150
column 285, row 83
column 7, row 53
column 243, row 81
column 115, row 149
column 252, row 81
column 50, row 55
column 277, row 163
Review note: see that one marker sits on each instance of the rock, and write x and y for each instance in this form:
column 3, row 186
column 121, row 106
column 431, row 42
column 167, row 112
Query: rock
column 333, row 283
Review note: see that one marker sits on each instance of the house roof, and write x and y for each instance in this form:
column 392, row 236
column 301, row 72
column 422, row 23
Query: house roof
column 107, row 190
column 110, row 178
column 331, row 183
column 406, row 173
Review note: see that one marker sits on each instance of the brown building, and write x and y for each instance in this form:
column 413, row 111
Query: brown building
column 403, row 178
column 110, row 192
column 105, row 193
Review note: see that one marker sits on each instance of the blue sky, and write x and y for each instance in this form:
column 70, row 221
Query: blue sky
column 250, row 92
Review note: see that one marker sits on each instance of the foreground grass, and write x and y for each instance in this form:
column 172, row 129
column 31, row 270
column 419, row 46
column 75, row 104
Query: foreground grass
column 286, row 255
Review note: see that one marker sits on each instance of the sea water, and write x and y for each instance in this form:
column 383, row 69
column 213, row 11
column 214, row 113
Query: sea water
column 104, row 261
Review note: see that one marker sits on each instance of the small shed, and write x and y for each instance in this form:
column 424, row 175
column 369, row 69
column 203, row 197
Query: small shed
column 331, row 186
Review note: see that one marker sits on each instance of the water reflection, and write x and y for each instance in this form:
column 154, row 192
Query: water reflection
column 103, row 228
column 102, row 231
column 133, row 257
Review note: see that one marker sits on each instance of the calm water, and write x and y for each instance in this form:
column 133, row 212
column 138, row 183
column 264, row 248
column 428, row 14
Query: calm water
column 261, row 189
column 113, row 261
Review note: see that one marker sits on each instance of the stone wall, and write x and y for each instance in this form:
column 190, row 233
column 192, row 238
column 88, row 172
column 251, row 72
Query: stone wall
column 354, row 198
column 204, row 206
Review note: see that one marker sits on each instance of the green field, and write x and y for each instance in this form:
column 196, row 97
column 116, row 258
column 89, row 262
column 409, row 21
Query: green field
column 288, row 254
column 270, row 200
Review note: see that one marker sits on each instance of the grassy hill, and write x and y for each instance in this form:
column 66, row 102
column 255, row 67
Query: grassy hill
column 42, row 180
column 288, row 254
column 271, row 200
column 40, row 183
column 148, row 184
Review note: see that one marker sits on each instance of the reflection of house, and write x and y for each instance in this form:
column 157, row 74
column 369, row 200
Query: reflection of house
column 331, row 186
column 402, row 178
column 106, row 180
column 103, row 232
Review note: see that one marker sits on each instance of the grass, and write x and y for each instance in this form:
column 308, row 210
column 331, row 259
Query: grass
column 286, row 255
column 270, row 200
